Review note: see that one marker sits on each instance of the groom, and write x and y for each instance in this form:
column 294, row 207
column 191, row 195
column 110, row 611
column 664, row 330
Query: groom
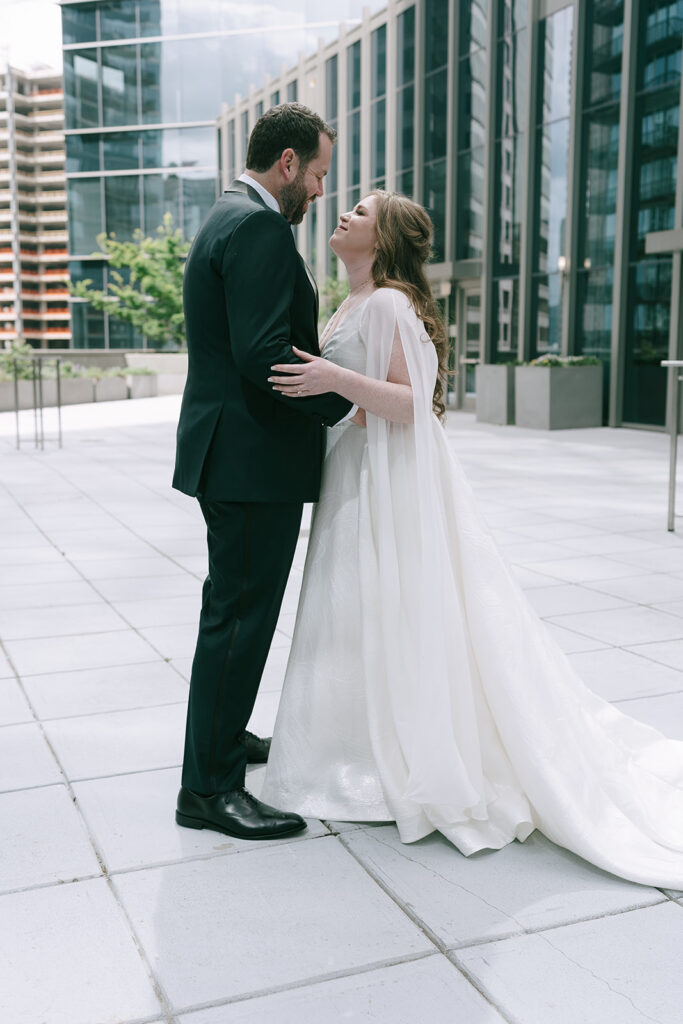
column 249, row 455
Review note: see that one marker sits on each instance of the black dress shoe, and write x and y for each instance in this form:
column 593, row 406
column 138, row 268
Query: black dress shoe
column 237, row 813
column 257, row 748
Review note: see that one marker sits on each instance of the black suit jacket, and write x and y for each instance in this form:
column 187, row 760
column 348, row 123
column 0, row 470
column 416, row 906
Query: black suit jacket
column 248, row 298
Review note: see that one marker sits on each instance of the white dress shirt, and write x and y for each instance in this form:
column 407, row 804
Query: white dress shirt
column 272, row 203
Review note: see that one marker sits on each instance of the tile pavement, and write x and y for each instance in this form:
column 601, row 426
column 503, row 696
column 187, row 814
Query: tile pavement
column 110, row 913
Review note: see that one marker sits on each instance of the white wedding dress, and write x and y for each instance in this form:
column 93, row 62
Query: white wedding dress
column 422, row 688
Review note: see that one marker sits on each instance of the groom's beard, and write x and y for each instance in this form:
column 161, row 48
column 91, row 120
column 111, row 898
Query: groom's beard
column 293, row 199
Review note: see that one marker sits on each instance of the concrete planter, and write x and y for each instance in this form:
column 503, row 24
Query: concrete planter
column 111, row 389
column 77, row 390
column 170, row 369
column 142, row 385
column 558, row 397
column 495, row 389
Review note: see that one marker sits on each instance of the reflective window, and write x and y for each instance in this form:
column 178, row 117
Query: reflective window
column 85, row 215
column 509, row 156
column 378, row 62
column 472, row 114
column 595, row 288
column 654, row 175
column 378, row 81
column 436, row 34
column 292, row 92
column 512, row 15
column 435, row 123
column 117, row 20
column 379, row 144
column 436, row 119
column 554, row 149
column 505, row 320
column 258, row 110
column 121, row 151
column 353, row 149
column 199, row 195
column 244, row 128
column 435, row 202
column 87, row 324
column 161, row 194
column 275, row 98
column 119, row 85
column 406, row 128
column 601, row 150
column 470, row 201
column 550, row 176
column 331, row 110
column 405, row 47
column 80, row 89
column 79, row 24
column 405, row 101
column 405, row 183
column 185, row 94
column 150, row 83
column 331, row 85
column 353, row 76
column 232, row 171
column 82, row 153
column 548, row 296
column 606, row 38
column 473, row 25
column 332, row 214
column 122, row 205
column 647, row 342
column 512, row 85
column 311, row 229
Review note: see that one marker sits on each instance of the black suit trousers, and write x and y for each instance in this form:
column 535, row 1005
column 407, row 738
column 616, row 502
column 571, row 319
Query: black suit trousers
column 251, row 548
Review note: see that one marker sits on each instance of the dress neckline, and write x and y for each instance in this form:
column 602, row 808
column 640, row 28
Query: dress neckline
column 337, row 329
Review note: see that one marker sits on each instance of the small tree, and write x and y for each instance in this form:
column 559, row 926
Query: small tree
column 150, row 297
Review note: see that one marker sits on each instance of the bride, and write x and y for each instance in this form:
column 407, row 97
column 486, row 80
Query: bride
column 421, row 686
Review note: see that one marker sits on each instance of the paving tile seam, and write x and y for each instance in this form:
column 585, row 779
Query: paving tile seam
column 523, row 929
column 542, row 929
column 94, row 668
column 216, row 855
column 58, row 883
column 388, row 891
column 158, row 988
column 112, row 711
column 98, row 504
column 649, row 696
column 309, row 982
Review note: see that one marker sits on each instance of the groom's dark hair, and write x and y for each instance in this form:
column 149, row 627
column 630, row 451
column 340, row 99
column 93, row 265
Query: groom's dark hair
column 287, row 126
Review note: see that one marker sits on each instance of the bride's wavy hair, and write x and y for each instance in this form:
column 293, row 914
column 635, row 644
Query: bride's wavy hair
column 404, row 244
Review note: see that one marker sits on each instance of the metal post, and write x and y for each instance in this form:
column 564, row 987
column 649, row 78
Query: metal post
column 673, row 396
column 40, row 403
column 15, row 369
column 35, row 403
column 58, row 364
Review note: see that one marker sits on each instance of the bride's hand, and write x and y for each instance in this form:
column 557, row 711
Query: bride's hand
column 315, row 376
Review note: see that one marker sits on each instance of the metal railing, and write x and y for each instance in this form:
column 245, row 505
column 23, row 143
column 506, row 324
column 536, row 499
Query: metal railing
column 36, row 380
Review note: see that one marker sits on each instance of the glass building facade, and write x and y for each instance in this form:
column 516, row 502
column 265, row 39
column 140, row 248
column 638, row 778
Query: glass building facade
column 143, row 82
column 543, row 137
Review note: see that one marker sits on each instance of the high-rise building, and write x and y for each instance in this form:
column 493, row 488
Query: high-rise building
column 144, row 81
column 545, row 139
column 34, row 297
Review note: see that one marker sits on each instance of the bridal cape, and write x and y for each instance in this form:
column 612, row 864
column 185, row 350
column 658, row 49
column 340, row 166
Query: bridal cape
column 466, row 716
